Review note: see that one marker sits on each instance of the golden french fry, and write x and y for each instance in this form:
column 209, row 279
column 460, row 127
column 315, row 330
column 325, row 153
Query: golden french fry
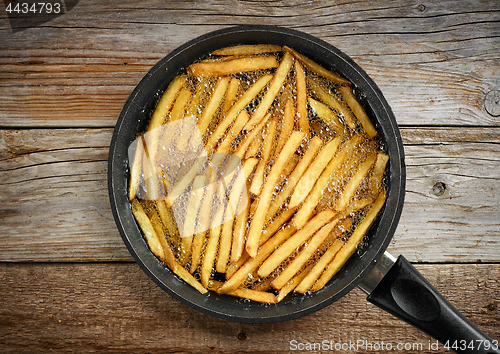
column 326, row 258
column 328, row 116
column 236, row 194
column 270, row 95
column 136, row 168
column 352, row 243
column 300, row 84
column 169, row 258
column 307, row 208
column 292, row 284
column 202, row 226
column 242, row 148
column 264, row 200
column 212, row 243
column 232, row 93
column 248, row 49
column 354, row 182
column 255, row 146
column 286, row 125
column 378, row 172
column 213, row 104
column 252, row 264
column 166, row 102
column 239, row 233
column 233, row 66
column 267, row 145
column 189, row 278
column 318, row 69
column 294, row 177
column 311, row 248
column 235, row 109
column 249, row 294
column 311, row 175
column 227, row 142
column 180, row 104
column 290, row 245
column 147, row 229
column 334, row 102
column 358, row 111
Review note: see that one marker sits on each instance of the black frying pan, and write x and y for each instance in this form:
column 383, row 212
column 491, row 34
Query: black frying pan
column 396, row 287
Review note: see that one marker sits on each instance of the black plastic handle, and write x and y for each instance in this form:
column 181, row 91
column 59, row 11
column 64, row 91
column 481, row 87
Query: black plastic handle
column 406, row 294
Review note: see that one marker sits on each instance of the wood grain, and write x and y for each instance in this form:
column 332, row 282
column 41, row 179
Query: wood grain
column 87, row 308
column 78, row 70
column 55, row 206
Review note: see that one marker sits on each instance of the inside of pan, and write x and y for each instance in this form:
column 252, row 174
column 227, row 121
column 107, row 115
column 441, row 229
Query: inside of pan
column 135, row 115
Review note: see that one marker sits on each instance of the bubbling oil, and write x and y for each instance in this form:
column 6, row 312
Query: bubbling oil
column 202, row 89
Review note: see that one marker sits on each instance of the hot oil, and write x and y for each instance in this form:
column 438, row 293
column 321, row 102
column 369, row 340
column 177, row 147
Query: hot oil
column 205, row 87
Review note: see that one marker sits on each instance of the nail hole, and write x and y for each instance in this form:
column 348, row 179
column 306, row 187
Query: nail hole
column 438, row 188
column 421, row 7
column 492, row 306
column 242, row 336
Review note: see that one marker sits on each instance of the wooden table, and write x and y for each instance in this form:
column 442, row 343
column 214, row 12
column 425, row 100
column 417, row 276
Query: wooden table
column 68, row 284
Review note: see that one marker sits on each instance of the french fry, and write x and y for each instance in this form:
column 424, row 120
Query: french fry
column 239, row 232
column 235, row 109
column 311, row 175
column 307, row 208
column 354, row 182
column 267, row 145
column 136, row 168
column 255, row 146
column 312, row 246
column 270, row 95
column 328, row 116
column 249, row 294
column 233, row 66
column 352, row 243
column 191, row 216
column 232, row 94
column 248, row 49
column 300, row 84
column 147, row 229
column 169, row 258
column 294, row 177
column 277, row 223
column 292, row 284
column 179, row 106
column 189, row 278
column 212, row 243
column 250, row 137
column 253, row 263
column 227, row 142
column 326, row 258
column 213, row 104
column 378, row 172
column 334, row 102
column 318, row 69
column 358, row 111
column 235, row 196
column 264, row 200
column 290, row 245
column 166, row 102
column 204, row 218
column 286, row 125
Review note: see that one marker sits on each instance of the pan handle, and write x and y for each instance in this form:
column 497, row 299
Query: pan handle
column 406, row 294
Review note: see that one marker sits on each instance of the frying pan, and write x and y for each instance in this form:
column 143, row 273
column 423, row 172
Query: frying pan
column 391, row 284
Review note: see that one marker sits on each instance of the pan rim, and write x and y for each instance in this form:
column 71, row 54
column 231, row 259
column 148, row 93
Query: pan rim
column 217, row 305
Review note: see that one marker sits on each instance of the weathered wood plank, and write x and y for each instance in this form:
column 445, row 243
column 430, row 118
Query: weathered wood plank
column 55, row 204
column 85, row 308
column 78, row 69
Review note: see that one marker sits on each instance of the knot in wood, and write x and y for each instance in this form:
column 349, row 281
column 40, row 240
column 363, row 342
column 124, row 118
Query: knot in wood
column 242, row 336
column 492, row 103
column 438, row 189
column 421, row 7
